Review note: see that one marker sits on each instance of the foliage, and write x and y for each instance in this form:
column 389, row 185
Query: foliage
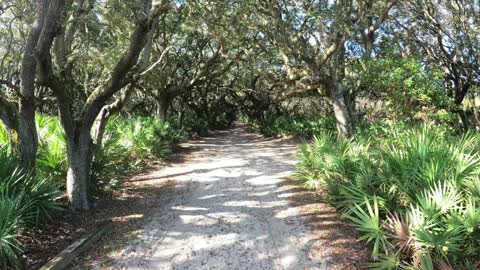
column 25, row 201
column 130, row 142
column 401, row 88
column 10, row 246
column 126, row 145
column 291, row 67
column 196, row 125
column 412, row 192
column 3, row 135
column 51, row 157
column 292, row 126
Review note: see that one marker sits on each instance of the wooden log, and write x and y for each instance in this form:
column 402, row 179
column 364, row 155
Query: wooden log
column 64, row 258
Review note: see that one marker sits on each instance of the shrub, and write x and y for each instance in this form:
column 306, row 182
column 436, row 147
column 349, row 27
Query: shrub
column 143, row 137
column 127, row 144
column 402, row 88
column 24, row 201
column 196, row 125
column 286, row 126
column 10, row 223
column 412, row 193
column 3, row 135
column 52, row 150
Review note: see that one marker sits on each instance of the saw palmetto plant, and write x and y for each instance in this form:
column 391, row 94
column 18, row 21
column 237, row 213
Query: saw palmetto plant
column 413, row 196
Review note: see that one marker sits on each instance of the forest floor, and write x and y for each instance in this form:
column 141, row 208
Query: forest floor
column 227, row 202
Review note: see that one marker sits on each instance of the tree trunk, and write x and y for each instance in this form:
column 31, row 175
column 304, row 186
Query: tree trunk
column 180, row 118
column 79, row 150
column 108, row 111
column 98, row 130
column 464, row 118
column 461, row 90
column 27, row 132
column 27, row 129
column 162, row 107
column 8, row 116
column 350, row 103
column 78, row 128
column 342, row 115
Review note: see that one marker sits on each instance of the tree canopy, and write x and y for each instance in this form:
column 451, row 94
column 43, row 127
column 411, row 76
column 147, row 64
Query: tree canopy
column 353, row 60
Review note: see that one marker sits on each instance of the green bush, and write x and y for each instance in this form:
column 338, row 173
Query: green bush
column 196, row 125
column 128, row 143
column 222, row 120
column 52, row 150
column 413, row 193
column 25, row 201
column 143, row 137
column 286, row 126
column 3, row 135
column 10, row 223
column 401, row 88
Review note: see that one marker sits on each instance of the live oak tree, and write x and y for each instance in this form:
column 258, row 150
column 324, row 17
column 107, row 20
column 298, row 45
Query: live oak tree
column 311, row 39
column 209, row 61
column 193, row 75
column 17, row 109
column 78, row 116
column 447, row 33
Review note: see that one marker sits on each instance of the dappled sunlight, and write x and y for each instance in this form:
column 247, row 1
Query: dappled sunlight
column 243, row 203
column 232, row 210
column 186, row 208
column 286, row 213
column 261, row 193
column 268, row 180
column 127, row 218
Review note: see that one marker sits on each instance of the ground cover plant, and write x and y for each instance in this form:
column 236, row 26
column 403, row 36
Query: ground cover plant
column 92, row 90
column 27, row 199
column 413, row 195
column 291, row 126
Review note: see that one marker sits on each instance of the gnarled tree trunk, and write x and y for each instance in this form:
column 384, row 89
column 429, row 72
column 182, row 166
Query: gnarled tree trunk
column 162, row 107
column 78, row 127
column 27, row 129
column 8, row 116
column 343, row 117
column 79, row 151
column 108, row 111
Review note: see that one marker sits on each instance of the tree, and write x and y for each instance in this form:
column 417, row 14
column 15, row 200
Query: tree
column 18, row 115
column 447, row 33
column 78, row 116
column 311, row 39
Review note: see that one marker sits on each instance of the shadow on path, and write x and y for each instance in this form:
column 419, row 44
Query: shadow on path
column 232, row 208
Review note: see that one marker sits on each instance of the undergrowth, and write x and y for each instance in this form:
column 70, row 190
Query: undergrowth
column 287, row 126
column 412, row 192
column 26, row 198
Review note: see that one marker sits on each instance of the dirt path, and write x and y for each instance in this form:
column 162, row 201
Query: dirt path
column 230, row 210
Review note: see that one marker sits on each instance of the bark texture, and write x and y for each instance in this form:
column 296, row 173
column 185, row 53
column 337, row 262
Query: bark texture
column 27, row 131
column 343, row 117
column 78, row 177
column 162, row 107
column 78, row 127
column 9, row 118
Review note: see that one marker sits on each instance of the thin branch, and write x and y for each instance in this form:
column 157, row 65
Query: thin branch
column 158, row 61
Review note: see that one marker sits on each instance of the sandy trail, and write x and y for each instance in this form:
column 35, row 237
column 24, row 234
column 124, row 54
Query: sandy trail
column 228, row 210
